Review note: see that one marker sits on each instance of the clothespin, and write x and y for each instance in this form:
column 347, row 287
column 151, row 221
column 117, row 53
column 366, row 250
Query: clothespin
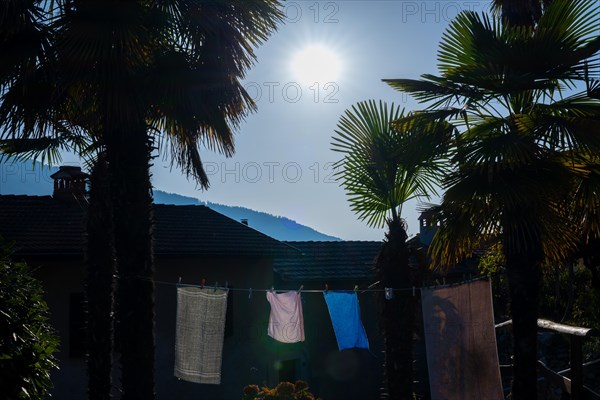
column 356, row 288
column 272, row 289
column 389, row 293
column 250, row 294
column 215, row 288
column 226, row 284
column 301, row 287
column 413, row 291
column 179, row 281
column 326, row 288
column 202, row 282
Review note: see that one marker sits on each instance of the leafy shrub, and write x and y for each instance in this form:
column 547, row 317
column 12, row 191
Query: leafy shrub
column 27, row 341
column 283, row 391
column 493, row 265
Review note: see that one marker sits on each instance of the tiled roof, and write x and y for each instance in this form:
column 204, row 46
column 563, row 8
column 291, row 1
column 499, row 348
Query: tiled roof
column 42, row 225
column 329, row 261
column 201, row 230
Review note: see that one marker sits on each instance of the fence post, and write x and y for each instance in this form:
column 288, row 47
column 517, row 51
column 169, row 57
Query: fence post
column 576, row 367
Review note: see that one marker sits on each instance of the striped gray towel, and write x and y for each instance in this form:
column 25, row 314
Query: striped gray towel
column 199, row 334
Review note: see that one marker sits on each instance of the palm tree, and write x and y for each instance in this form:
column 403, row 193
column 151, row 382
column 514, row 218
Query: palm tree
column 503, row 88
column 25, row 46
column 134, row 76
column 100, row 283
column 381, row 169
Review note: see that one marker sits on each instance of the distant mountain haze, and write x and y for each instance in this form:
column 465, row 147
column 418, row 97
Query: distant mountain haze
column 34, row 180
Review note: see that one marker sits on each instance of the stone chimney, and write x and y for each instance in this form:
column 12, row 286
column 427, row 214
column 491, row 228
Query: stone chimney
column 427, row 228
column 69, row 183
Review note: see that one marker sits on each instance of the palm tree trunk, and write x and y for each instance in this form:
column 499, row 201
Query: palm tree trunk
column 129, row 157
column 520, row 12
column 397, row 314
column 524, row 277
column 100, row 284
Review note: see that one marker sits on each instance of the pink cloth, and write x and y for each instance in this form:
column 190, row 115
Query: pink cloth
column 286, row 323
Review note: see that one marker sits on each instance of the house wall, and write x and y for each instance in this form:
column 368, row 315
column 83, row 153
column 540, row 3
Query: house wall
column 60, row 278
column 247, row 357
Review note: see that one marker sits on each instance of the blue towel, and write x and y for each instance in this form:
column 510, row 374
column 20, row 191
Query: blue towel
column 345, row 316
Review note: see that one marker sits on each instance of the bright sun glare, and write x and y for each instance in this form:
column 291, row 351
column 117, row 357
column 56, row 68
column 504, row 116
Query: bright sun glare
column 316, row 63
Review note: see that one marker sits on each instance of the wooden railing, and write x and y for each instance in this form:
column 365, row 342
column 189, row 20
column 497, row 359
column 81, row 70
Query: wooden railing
column 573, row 385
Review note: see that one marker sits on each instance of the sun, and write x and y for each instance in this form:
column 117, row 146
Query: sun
column 316, row 63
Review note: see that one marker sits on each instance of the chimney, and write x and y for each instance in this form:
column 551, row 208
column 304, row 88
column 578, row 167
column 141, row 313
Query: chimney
column 244, row 221
column 427, row 228
column 69, row 183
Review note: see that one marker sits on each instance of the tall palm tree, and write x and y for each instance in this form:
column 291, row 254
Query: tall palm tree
column 381, row 169
column 25, row 45
column 136, row 75
column 504, row 88
column 100, row 285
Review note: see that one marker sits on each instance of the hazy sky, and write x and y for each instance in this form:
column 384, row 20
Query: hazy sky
column 283, row 159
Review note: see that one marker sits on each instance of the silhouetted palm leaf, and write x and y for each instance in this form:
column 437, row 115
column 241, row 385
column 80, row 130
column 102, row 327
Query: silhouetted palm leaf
column 383, row 167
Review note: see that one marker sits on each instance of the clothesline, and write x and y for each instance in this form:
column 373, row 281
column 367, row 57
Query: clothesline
column 202, row 316
column 301, row 289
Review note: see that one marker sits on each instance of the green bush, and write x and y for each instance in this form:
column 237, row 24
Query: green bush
column 492, row 265
column 27, row 341
column 283, row 391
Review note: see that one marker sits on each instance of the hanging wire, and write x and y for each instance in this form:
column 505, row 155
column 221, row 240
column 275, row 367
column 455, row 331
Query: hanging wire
column 251, row 290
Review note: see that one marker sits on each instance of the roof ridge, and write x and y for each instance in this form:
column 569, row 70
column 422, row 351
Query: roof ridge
column 333, row 241
column 178, row 229
column 45, row 196
column 180, row 205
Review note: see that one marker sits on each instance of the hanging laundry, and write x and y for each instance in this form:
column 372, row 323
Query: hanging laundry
column 199, row 334
column 460, row 339
column 345, row 317
column 286, row 322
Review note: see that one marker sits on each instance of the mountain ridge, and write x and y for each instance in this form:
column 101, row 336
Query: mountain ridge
column 34, row 180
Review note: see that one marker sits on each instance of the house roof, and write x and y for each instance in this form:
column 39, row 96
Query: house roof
column 42, row 225
column 329, row 261
column 197, row 229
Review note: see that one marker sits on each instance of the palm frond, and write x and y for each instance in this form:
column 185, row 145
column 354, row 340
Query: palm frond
column 196, row 96
column 383, row 167
column 501, row 88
